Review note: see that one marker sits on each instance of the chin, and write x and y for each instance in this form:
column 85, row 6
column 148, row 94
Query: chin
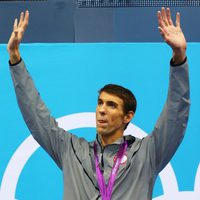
column 101, row 132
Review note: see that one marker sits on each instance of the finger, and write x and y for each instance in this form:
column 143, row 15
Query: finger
column 26, row 19
column 162, row 32
column 26, row 16
column 178, row 19
column 15, row 24
column 21, row 19
column 23, row 26
column 15, row 30
column 160, row 20
column 164, row 16
column 169, row 16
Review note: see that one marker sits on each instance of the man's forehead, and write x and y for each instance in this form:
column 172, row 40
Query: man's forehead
column 104, row 96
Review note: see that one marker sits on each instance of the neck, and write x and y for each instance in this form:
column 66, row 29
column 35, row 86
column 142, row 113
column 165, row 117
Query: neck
column 106, row 140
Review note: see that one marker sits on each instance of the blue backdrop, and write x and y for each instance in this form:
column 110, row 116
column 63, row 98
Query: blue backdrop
column 68, row 77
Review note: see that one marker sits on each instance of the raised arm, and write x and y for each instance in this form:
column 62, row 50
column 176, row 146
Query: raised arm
column 41, row 124
column 170, row 127
column 16, row 37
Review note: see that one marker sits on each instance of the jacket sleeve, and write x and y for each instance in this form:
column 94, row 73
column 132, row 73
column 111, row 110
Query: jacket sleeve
column 42, row 126
column 170, row 127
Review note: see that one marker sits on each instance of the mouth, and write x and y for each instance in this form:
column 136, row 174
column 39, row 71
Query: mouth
column 102, row 122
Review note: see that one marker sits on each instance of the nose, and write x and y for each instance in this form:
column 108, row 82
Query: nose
column 101, row 109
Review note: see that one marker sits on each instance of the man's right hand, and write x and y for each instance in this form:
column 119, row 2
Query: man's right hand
column 16, row 37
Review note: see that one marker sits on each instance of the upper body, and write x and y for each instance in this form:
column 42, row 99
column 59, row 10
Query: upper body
column 145, row 157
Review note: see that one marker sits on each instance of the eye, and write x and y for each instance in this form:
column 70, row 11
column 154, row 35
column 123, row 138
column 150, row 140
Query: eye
column 100, row 103
column 112, row 105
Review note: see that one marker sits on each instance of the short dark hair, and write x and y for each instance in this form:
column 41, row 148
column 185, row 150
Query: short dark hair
column 129, row 100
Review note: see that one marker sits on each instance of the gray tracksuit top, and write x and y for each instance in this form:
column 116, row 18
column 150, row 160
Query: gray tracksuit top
column 75, row 156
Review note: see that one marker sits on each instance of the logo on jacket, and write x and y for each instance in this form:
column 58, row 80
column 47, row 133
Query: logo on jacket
column 124, row 159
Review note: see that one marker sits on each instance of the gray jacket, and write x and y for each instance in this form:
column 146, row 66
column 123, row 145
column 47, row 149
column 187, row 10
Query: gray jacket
column 75, row 157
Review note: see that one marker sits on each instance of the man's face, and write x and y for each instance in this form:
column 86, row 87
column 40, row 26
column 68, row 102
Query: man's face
column 110, row 118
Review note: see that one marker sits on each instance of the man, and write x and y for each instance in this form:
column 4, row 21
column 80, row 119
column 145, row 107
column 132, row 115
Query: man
column 114, row 166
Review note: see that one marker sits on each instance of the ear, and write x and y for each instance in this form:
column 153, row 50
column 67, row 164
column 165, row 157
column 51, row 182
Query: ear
column 128, row 117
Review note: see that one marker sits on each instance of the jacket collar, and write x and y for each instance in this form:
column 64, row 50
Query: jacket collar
column 129, row 138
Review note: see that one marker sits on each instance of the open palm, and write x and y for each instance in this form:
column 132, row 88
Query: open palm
column 171, row 33
column 18, row 32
